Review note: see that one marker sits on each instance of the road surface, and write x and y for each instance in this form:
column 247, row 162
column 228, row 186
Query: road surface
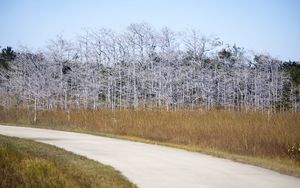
column 153, row 166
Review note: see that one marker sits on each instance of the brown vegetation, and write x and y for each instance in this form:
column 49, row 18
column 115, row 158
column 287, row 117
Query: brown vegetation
column 247, row 133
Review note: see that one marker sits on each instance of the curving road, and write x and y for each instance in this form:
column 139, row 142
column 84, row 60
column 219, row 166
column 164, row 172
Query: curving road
column 158, row 166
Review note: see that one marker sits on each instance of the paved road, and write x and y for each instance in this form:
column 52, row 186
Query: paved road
column 157, row 166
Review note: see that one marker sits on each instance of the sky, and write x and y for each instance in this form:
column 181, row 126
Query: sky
column 264, row 26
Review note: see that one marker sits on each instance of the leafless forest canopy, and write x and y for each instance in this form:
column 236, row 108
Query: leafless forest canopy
column 144, row 68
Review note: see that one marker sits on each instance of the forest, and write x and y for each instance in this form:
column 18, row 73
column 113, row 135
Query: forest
column 145, row 68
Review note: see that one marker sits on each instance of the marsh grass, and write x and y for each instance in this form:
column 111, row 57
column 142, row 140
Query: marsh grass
column 25, row 163
column 251, row 134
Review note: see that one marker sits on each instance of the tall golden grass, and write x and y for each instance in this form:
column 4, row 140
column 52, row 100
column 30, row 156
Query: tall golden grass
column 246, row 133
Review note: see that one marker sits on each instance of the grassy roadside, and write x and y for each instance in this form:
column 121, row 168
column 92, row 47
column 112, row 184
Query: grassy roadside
column 25, row 163
column 285, row 166
column 252, row 138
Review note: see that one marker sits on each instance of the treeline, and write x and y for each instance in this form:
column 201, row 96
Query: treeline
column 142, row 68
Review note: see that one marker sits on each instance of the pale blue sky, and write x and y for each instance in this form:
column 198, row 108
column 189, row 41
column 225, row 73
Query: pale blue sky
column 268, row 26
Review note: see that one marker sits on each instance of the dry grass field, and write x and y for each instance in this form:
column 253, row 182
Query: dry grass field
column 235, row 133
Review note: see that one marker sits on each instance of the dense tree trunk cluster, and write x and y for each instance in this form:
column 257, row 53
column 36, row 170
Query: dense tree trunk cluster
column 142, row 68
